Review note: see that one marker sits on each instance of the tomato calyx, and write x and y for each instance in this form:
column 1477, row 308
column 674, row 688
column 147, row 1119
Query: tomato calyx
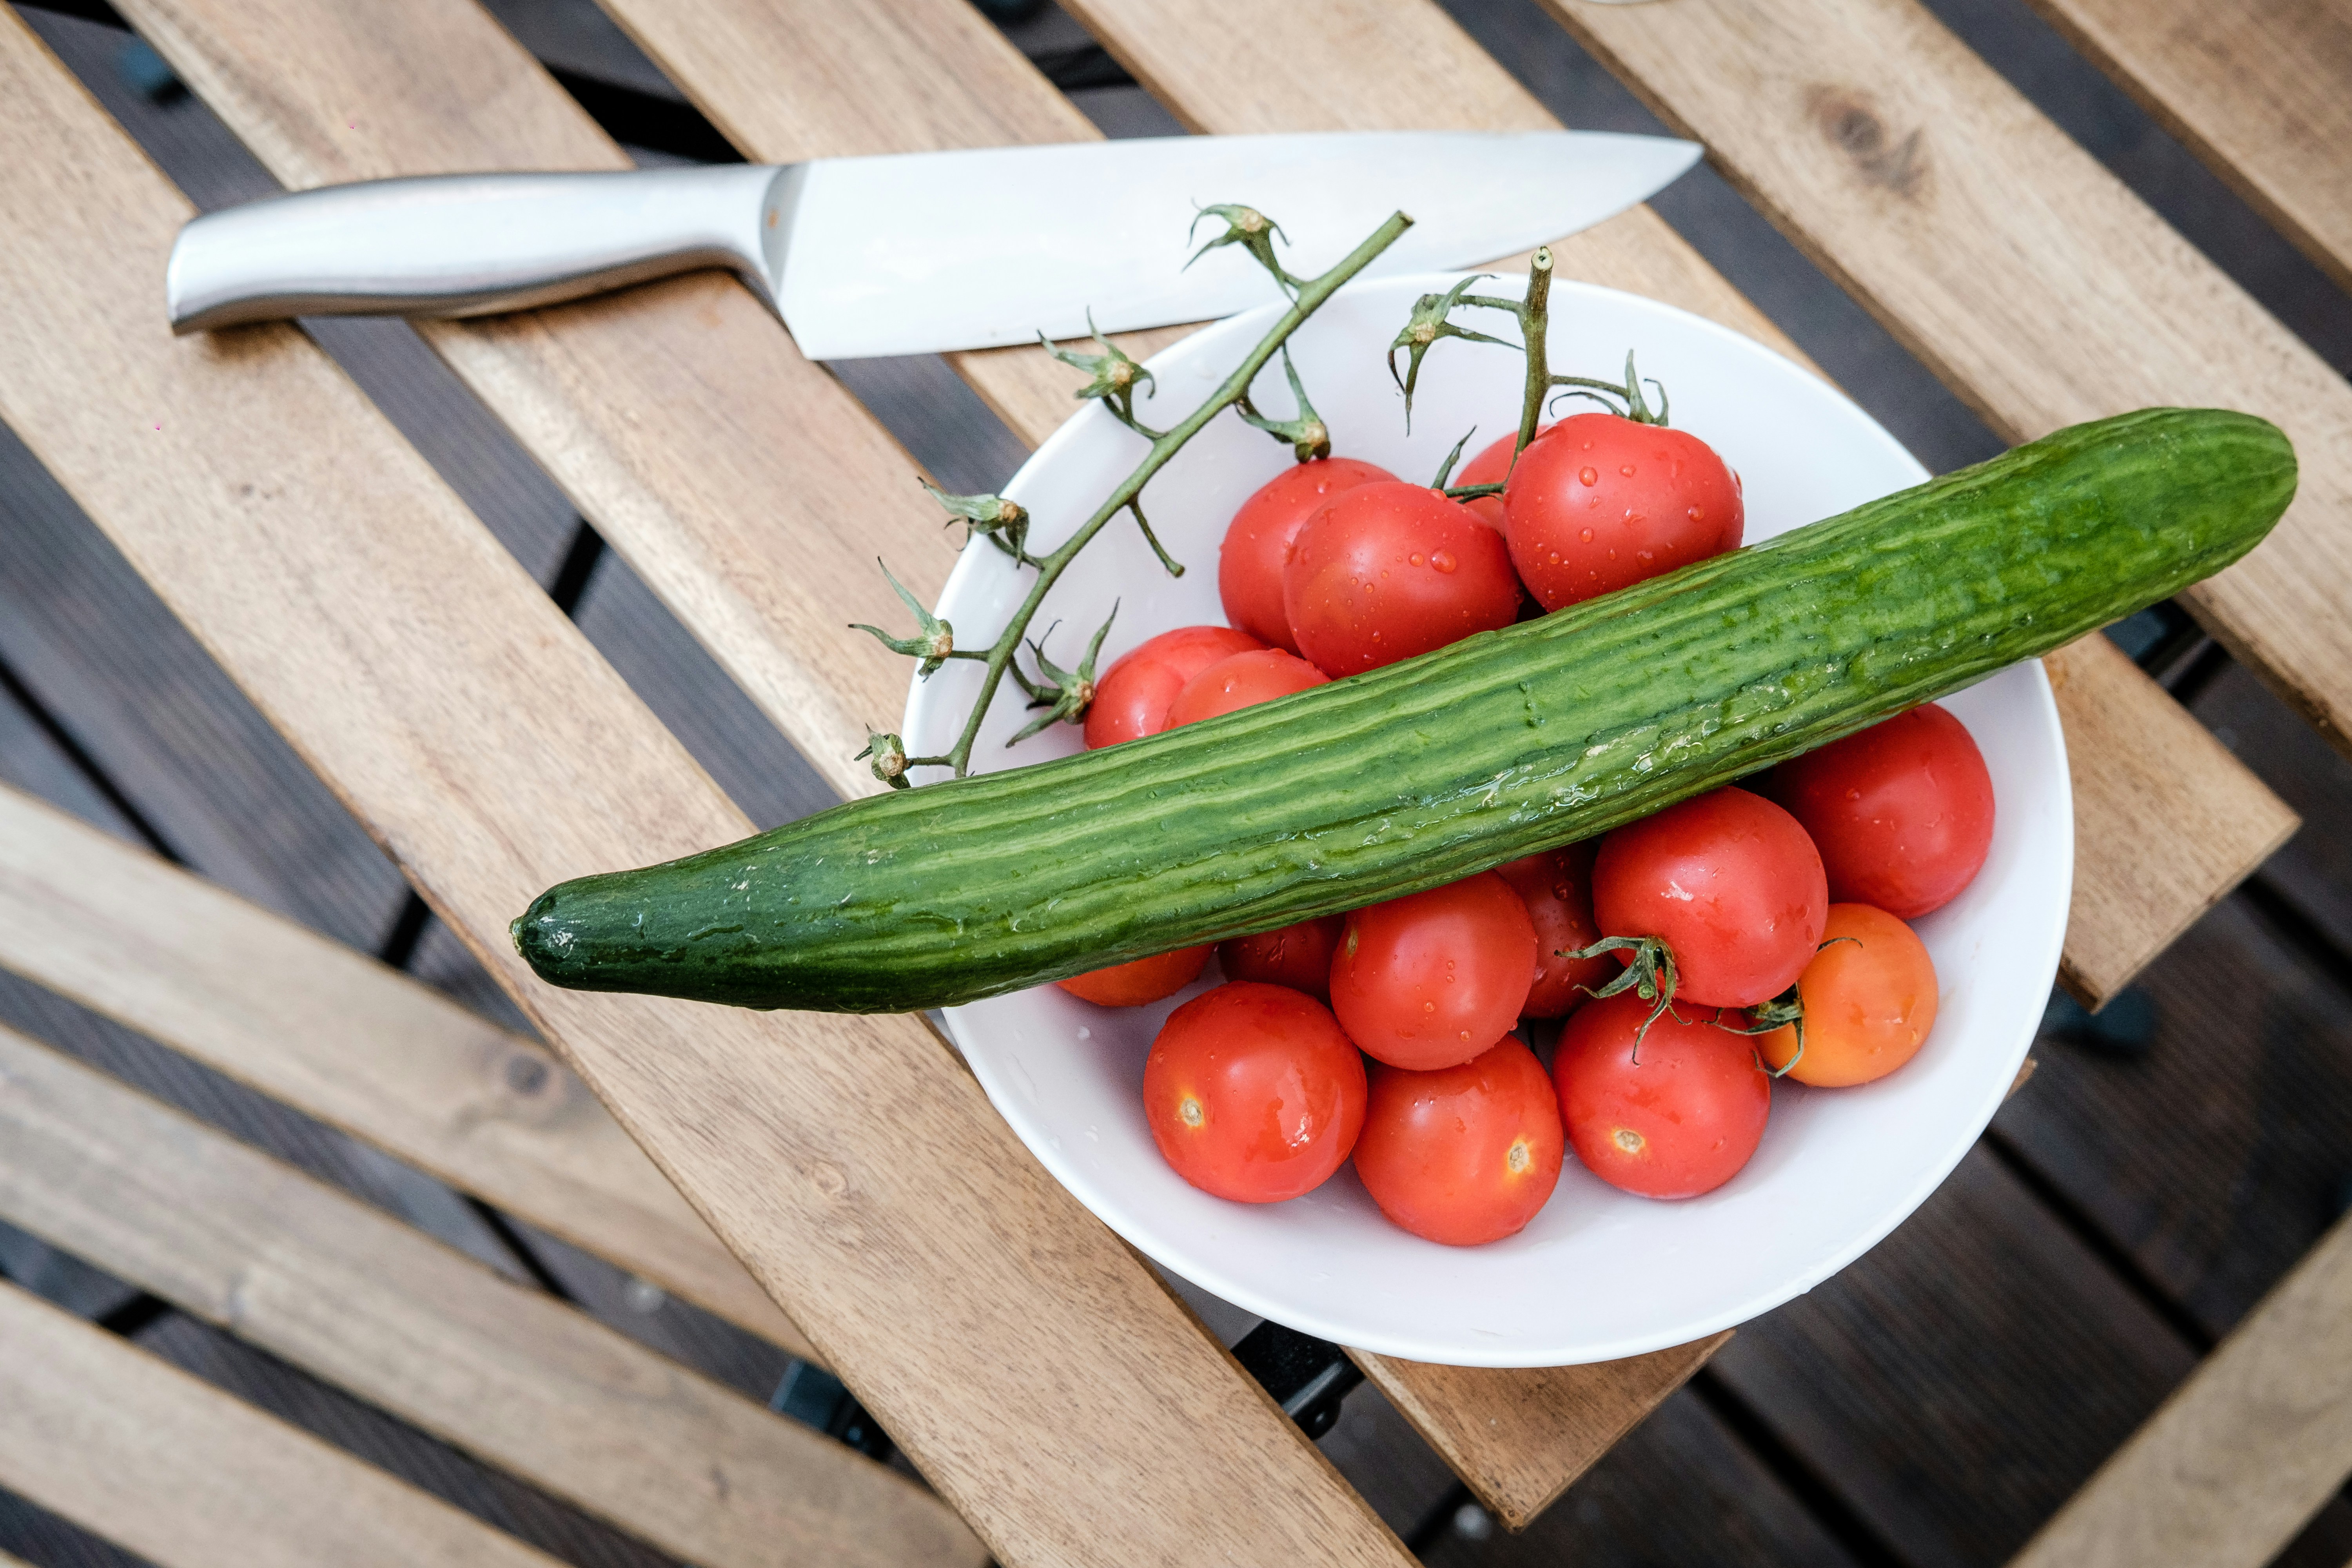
column 1428, row 323
column 1064, row 694
column 1787, row 1008
column 1624, row 401
column 1308, row 436
column 1782, row 1011
column 1651, row 975
column 1003, row 524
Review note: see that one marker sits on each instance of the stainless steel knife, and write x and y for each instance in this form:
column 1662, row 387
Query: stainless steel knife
column 915, row 253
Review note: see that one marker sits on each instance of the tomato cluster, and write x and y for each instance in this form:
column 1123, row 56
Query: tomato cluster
column 1695, row 956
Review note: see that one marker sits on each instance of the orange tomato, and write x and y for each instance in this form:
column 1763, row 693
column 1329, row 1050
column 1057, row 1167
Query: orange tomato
column 1869, row 996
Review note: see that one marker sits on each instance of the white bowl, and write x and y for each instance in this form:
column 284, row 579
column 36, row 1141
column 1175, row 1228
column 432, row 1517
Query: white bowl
column 1598, row 1274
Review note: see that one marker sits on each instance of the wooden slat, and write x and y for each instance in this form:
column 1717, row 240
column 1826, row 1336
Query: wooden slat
column 504, row 1372
column 2036, row 285
column 361, row 1047
column 1519, row 1437
column 2128, row 743
column 2257, row 89
column 2243, row 1453
column 1041, row 1376
column 136, row 1451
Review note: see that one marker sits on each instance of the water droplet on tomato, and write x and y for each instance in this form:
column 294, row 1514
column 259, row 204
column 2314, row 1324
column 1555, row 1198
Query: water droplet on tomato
column 1428, row 1007
column 1584, row 533
column 1590, row 476
column 1416, row 558
column 1627, row 470
column 1442, row 561
column 1699, row 515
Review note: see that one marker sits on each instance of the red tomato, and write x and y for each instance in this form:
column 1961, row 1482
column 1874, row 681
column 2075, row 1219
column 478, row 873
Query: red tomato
column 1252, row 1093
column 1491, row 467
column 1257, row 541
column 1298, row 956
column 1435, row 978
column 1679, row 1120
column 1601, row 503
column 1389, row 571
column 1869, row 996
column 1731, row 883
column 1465, row 1154
column 1132, row 697
column 1144, row 979
column 1243, row 681
column 1557, row 887
column 1902, row 811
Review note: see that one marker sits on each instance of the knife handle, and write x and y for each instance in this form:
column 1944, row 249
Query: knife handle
column 471, row 245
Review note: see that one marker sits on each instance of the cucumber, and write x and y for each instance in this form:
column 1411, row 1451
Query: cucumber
column 1510, row 741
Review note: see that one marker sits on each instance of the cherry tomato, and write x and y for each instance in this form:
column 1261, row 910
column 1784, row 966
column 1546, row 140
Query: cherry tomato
column 1677, row 1117
column 1869, row 996
column 1732, row 884
column 1600, row 503
column 1298, row 956
column 1388, row 570
column 1132, row 697
column 1902, row 811
column 1465, row 1155
column 1492, row 465
column 1557, row 887
column 1435, row 977
column 1252, row 1093
column 1243, row 681
column 1142, row 981
column 1257, row 541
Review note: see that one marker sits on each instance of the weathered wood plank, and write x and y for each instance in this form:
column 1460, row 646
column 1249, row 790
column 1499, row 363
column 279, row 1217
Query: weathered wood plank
column 2030, row 280
column 2129, row 744
column 2243, row 1453
column 360, row 1047
column 505, row 1373
column 2257, row 90
column 147, row 1456
column 1515, row 1436
column 1034, row 1369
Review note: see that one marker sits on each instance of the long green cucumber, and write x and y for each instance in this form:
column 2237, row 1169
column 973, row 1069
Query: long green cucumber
column 1542, row 733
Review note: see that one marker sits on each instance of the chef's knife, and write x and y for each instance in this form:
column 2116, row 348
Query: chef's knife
column 915, row 253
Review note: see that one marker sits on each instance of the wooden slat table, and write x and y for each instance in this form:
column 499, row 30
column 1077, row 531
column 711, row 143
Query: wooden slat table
column 466, row 722
column 658, row 412
column 974, row 89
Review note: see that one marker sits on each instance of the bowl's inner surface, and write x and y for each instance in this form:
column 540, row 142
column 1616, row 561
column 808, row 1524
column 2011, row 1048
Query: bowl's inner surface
column 1598, row 1274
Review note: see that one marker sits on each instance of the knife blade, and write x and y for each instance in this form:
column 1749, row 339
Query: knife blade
column 912, row 253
